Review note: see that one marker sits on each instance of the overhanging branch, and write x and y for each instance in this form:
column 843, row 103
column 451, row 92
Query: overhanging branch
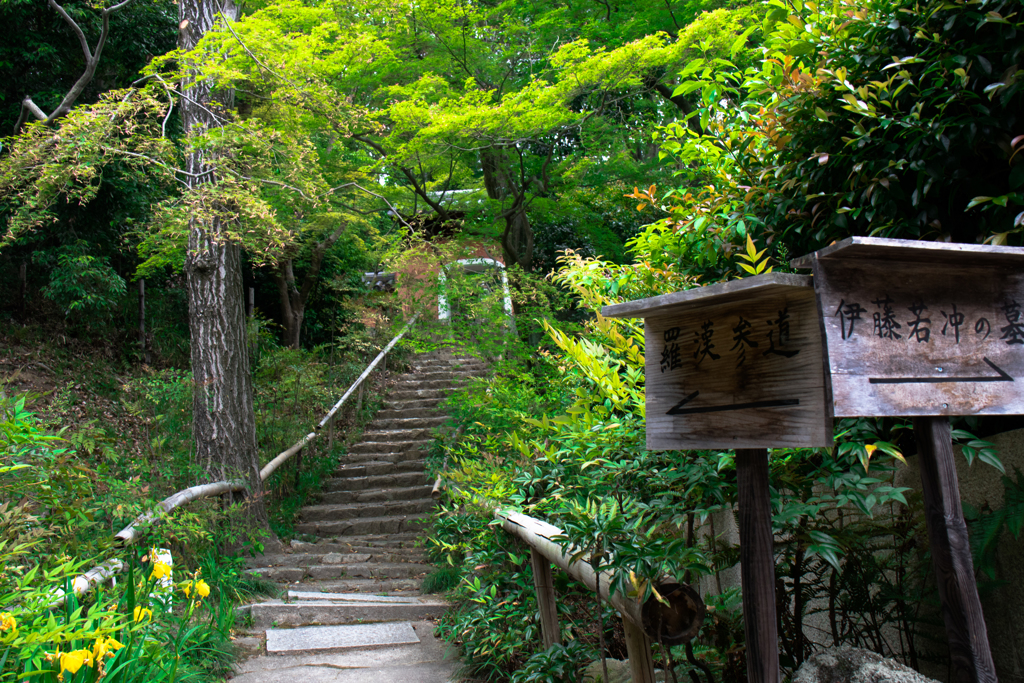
column 92, row 60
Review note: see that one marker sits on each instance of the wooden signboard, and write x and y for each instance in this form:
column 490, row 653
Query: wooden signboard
column 921, row 328
column 734, row 365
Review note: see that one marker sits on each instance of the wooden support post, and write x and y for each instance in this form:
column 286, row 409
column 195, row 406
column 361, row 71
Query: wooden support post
column 251, row 304
column 757, row 565
column 142, row 321
column 330, row 435
column 359, row 398
column 638, row 649
column 545, row 587
column 969, row 651
column 298, row 468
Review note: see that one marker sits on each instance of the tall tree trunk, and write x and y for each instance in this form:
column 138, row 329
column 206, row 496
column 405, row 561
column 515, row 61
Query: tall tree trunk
column 223, row 421
column 293, row 305
column 293, row 298
column 517, row 238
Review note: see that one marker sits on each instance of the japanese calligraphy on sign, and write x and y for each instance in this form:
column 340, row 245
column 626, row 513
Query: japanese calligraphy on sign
column 916, row 328
column 734, row 365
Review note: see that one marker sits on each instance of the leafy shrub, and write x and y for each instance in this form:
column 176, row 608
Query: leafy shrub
column 85, row 287
column 557, row 664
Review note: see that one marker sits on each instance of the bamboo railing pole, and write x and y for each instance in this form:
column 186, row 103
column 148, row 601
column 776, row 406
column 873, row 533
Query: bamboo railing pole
column 368, row 370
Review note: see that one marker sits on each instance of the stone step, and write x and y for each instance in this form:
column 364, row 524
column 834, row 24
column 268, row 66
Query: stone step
column 430, row 661
column 307, row 612
column 430, row 411
column 428, row 384
column 375, row 586
column 329, row 512
column 392, row 445
column 357, row 570
column 417, row 394
column 325, row 557
column 431, row 374
column 378, row 467
column 364, row 525
column 444, row 359
column 401, row 456
column 375, row 495
column 415, row 404
column 370, row 541
column 363, row 482
column 388, row 424
column 340, row 638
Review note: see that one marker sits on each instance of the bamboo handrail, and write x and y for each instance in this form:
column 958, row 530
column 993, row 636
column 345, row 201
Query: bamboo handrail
column 128, row 535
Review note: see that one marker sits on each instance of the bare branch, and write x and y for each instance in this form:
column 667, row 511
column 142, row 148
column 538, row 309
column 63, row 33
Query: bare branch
column 74, row 27
column 28, row 107
column 92, row 60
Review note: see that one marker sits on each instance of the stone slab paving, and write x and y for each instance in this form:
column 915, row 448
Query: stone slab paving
column 428, row 661
column 312, row 638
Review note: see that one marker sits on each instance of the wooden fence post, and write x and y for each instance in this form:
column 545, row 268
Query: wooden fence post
column 544, row 585
column 969, row 651
column 298, row 468
column 638, row 649
column 330, row 435
column 757, row 565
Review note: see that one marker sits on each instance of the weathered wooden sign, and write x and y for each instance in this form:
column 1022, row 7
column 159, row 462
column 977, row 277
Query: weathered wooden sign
column 921, row 328
column 734, row 365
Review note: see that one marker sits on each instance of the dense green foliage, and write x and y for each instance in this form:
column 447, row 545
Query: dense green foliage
column 406, row 135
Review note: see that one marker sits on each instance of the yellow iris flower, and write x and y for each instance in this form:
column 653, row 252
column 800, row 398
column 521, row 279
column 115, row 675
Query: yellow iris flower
column 142, row 613
column 201, row 587
column 7, row 622
column 160, row 570
column 73, row 661
column 105, row 647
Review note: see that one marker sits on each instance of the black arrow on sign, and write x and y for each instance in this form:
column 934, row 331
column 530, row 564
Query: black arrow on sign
column 1003, row 377
column 678, row 408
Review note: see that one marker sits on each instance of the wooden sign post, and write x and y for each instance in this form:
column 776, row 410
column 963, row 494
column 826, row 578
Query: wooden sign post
column 928, row 330
column 888, row 328
column 739, row 365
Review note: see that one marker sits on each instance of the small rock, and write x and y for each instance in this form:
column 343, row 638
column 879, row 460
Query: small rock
column 333, row 558
column 854, row 665
column 618, row 671
column 298, row 545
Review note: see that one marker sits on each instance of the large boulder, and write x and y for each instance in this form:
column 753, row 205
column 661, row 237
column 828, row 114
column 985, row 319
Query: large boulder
column 854, row 665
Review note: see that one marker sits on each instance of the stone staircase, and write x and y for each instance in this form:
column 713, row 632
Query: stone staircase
column 356, row 586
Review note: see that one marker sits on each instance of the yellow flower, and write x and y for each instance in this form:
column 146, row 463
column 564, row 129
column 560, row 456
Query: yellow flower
column 142, row 613
column 73, row 661
column 105, row 647
column 160, row 570
column 187, row 589
column 202, row 589
column 7, row 622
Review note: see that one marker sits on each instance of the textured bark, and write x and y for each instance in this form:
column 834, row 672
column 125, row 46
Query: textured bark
column 517, row 238
column 294, row 298
column 223, row 421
